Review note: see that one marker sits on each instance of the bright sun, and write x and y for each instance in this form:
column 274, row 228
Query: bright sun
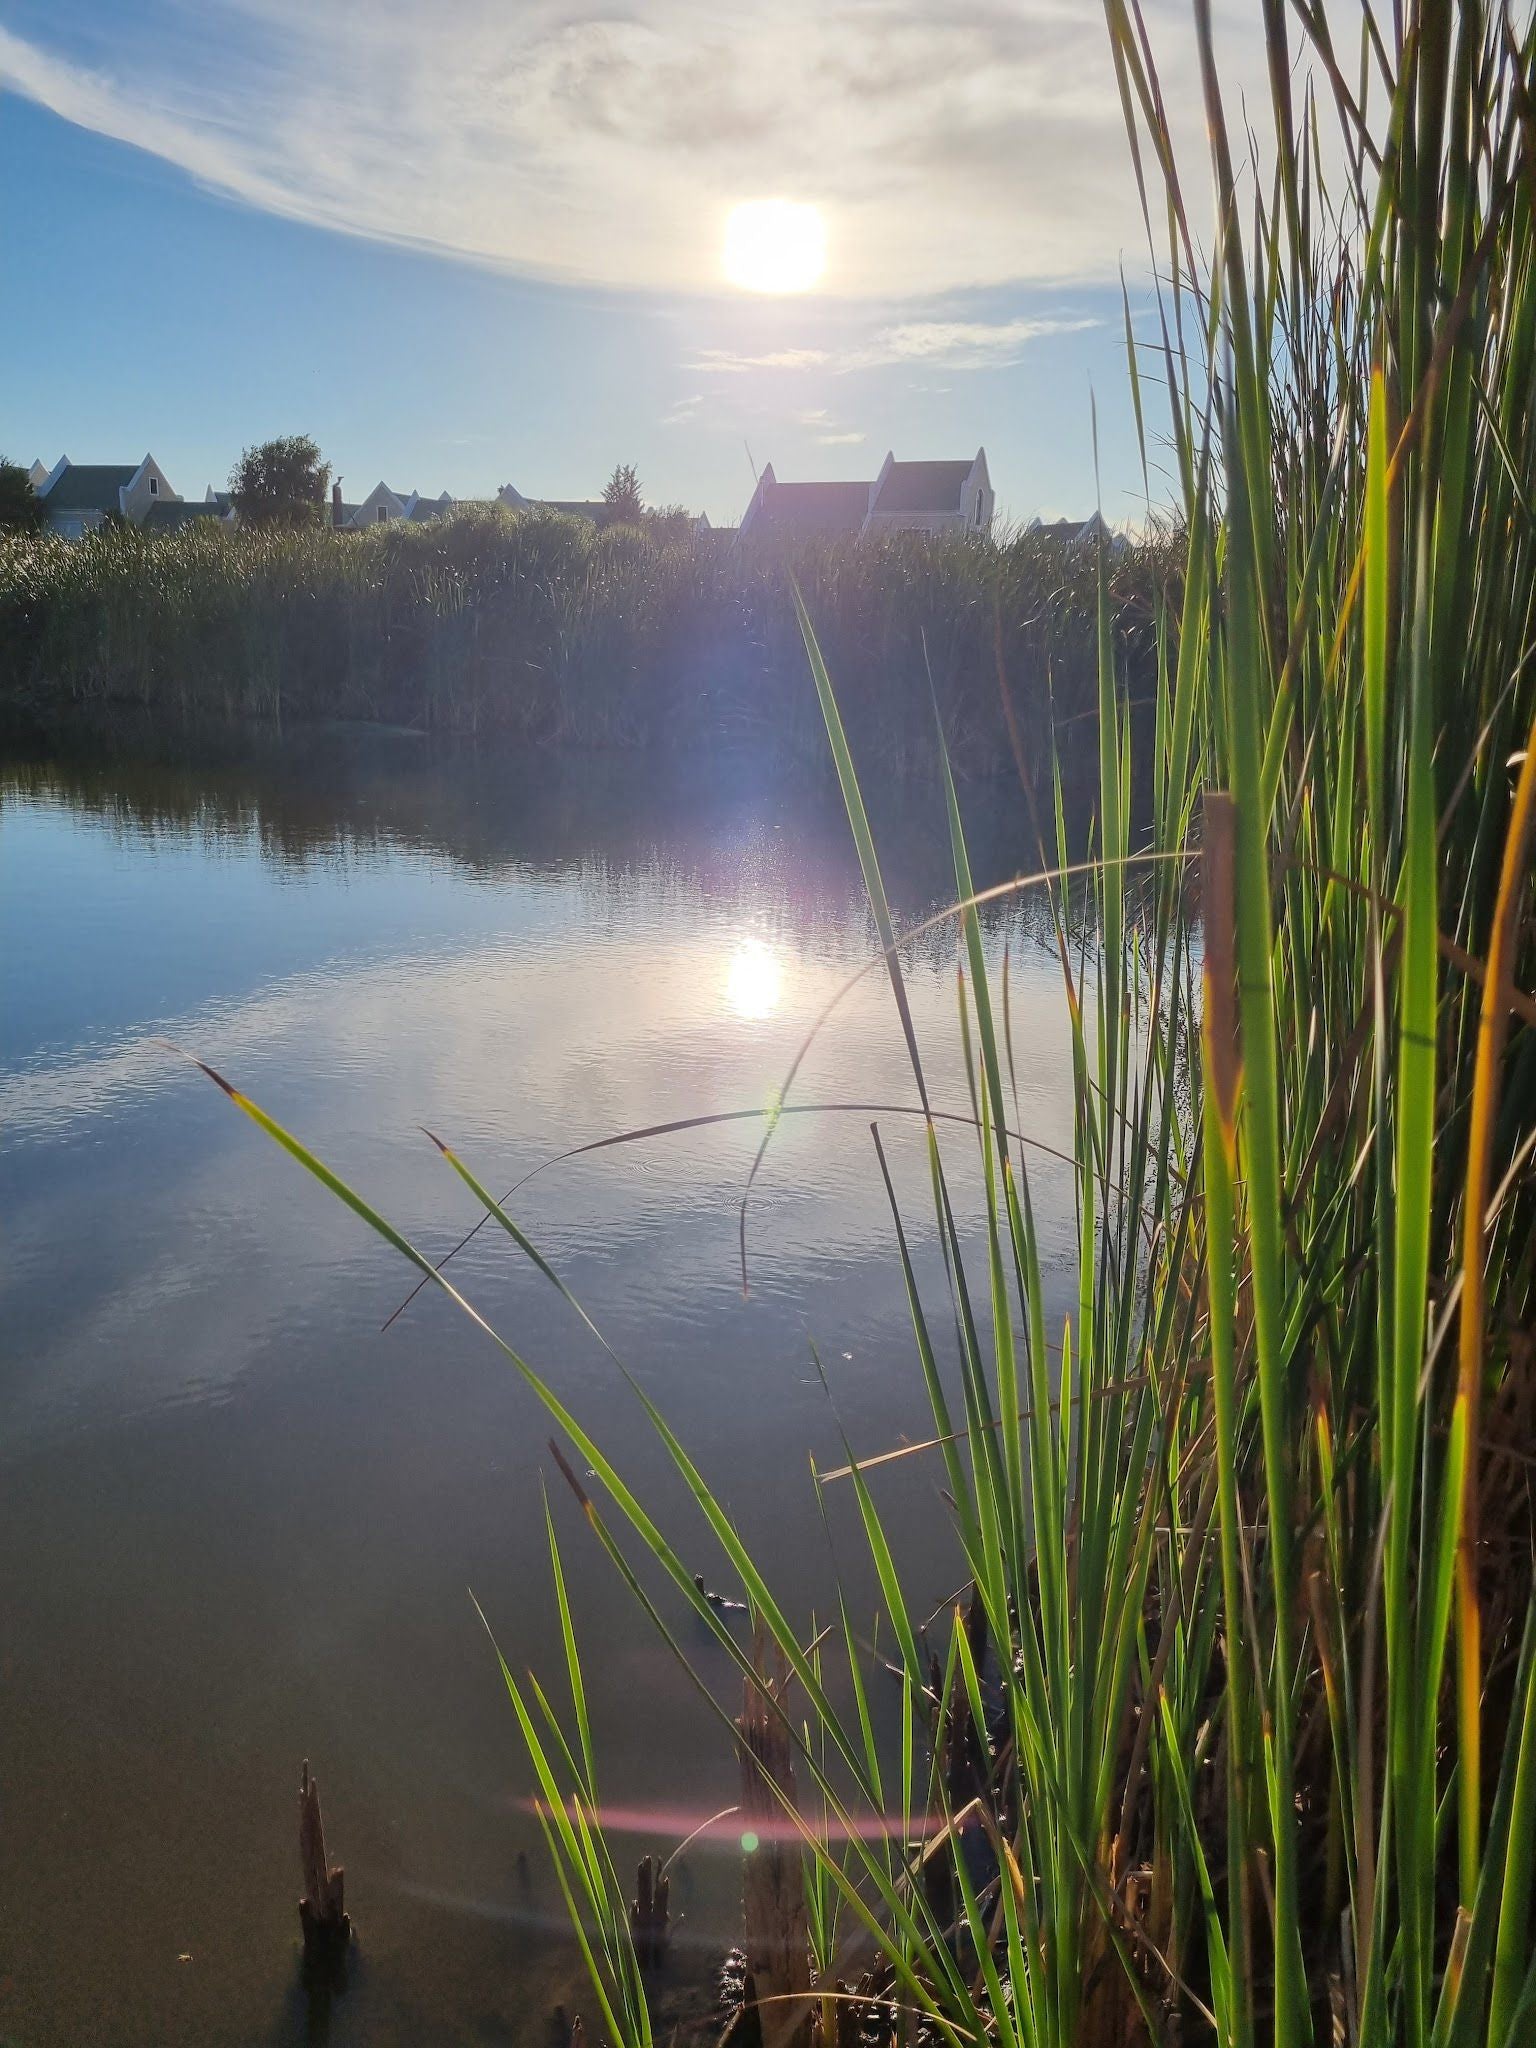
column 775, row 245
column 753, row 980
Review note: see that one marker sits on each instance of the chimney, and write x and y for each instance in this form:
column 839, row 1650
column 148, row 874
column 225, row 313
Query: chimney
column 336, row 515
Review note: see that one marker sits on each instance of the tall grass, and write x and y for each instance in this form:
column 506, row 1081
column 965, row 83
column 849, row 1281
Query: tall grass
column 544, row 628
column 1233, row 1735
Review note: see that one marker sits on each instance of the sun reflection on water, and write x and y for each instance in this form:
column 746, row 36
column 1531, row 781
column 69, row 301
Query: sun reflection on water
column 754, row 980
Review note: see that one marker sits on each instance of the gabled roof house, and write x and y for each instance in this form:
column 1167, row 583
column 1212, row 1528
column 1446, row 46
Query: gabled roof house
column 594, row 510
column 914, row 497
column 382, row 505
column 79, row 496
column 1079, row 533
column 170, row 515
column 590, row 509
column 787, row 512
column 931, row 497
column 571, row 508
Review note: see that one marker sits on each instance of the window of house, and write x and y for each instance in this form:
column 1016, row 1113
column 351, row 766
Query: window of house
column 980, row 507
column 381, row 512
column 154, row 487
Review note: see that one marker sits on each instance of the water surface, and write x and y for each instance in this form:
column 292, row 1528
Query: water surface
column 238, row 1524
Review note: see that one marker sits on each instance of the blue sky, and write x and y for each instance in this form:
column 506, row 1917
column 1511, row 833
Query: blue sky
column 479, row 243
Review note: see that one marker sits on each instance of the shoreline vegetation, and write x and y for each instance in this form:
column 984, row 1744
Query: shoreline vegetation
column 542, row 629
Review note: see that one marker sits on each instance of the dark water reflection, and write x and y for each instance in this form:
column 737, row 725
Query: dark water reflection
column 237, row 1524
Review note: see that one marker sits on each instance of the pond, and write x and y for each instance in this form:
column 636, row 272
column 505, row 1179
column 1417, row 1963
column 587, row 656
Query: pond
column 240, row 1523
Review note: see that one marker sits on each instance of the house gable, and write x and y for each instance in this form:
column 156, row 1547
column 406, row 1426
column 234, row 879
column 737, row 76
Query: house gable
column 794, row 511
column 148, row 486
column 923, row 497
column 921, row 487
column 379, row 507
column 932, row 497
column 382, row 507
column 1079, row 533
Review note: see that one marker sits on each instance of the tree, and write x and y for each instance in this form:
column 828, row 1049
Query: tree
column 21, row 509
column 281, row 483
column 622, row 504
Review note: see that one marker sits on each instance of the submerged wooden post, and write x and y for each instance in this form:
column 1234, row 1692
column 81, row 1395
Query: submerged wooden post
column 776, row 1937
column 648, row 1913
column 327, row 1929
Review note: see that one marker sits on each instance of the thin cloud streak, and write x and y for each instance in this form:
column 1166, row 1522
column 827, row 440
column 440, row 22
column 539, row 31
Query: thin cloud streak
column 948, row 149
column 928, row 344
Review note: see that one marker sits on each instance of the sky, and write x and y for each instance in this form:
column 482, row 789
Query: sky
column 480, row 242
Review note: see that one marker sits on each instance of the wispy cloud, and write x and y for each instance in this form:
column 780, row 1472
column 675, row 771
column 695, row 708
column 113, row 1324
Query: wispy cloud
column 683, row 410
column 826, row 430
column 926, row 344
column 729, row 361
column 974, row 344
column 948, row 147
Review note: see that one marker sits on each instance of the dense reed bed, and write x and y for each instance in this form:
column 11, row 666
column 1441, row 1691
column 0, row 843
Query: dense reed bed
column 1232, row 1736
column 544, row 628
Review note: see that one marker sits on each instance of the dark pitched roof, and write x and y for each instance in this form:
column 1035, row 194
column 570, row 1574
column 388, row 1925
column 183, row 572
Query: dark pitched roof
column 169, row 515
column 428, row 508
column 1075, row 530
column 922, row 487
column 813, row 508
column 91, row 487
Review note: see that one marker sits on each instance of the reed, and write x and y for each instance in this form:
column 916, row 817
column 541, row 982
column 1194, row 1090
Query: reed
column 546, row 629
column 1233, row 1736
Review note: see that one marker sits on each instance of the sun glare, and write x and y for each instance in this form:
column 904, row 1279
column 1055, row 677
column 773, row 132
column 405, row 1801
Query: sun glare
column 753, row 980
column 775, row 245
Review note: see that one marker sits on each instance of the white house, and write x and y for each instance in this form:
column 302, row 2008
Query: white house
column 931, row 497
column 913, row 497
column 1079, row 533
column 78, row 496
column 590, row 509
column 594, row 510
column 382, row 505
column 791, row 512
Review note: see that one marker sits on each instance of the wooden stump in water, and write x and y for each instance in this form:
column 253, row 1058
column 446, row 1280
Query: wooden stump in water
column 648, row 1913
column 775, row 1934
column 327, row 1929
column 744, row 2028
